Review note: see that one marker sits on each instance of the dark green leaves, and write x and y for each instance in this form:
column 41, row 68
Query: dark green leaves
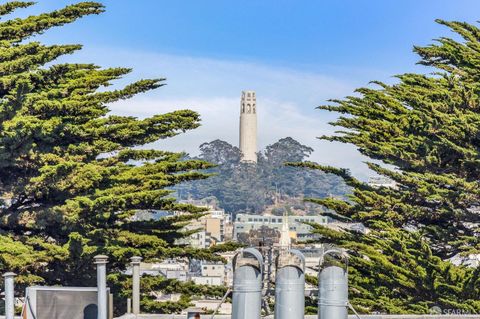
column 426, row 127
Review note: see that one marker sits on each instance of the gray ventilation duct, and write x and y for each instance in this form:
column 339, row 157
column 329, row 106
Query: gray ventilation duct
column 247, row 284
column 290, row 285
column 333, row 285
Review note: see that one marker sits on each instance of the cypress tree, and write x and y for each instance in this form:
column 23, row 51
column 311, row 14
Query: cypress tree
column 72, row 175
column 426, row 128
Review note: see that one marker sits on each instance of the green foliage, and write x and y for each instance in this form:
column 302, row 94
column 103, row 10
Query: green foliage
column 72, row 176
column 427, row 128
column 187, row 291
column 245, row 187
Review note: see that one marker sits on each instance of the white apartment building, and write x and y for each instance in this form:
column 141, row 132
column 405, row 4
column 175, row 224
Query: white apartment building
column 244, row 223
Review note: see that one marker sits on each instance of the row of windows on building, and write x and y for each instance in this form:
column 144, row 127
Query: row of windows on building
column 212, row 267
column 278, row 220
column 291, row 228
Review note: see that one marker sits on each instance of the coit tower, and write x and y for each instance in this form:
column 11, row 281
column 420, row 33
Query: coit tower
column 248, row 126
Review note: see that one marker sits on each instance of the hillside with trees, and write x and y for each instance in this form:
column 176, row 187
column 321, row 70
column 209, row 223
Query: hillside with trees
column 245, row 187
column 428, row 128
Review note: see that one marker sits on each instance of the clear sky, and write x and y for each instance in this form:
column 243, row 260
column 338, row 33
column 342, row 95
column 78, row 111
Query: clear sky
column 295, row 54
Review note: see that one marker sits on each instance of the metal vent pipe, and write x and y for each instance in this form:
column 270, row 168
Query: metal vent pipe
column 290, row 285
column 333, row 285
column 247, row 284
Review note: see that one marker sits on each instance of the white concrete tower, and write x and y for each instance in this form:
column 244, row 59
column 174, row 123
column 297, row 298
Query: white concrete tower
column 248, row 126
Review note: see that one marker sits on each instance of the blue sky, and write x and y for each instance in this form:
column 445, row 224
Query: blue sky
column 295, row 54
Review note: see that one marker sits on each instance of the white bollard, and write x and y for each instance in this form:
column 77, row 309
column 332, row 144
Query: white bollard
column 129, row 305
column 9, row 295
column 101, row 262
column 136, row 284
column 110, row 306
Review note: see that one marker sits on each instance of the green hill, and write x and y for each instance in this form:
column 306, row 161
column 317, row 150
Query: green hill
column 247, row 187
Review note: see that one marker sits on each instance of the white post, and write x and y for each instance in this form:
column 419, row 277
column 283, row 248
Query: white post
column 129, row 305
column 9, row 295
column 110, row 306
column 136, row 284
column 101, row 262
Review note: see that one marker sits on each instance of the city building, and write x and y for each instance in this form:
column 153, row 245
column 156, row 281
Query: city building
column 248, row 224
column 211, row 273
column 200, row 239
column 168, row 268
column 209, row 229
column 209, row 281
column 382, row 181
column 171, row 269
column 214, row 224
column 228, row 256
column 356, row 227
column 470, row 260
